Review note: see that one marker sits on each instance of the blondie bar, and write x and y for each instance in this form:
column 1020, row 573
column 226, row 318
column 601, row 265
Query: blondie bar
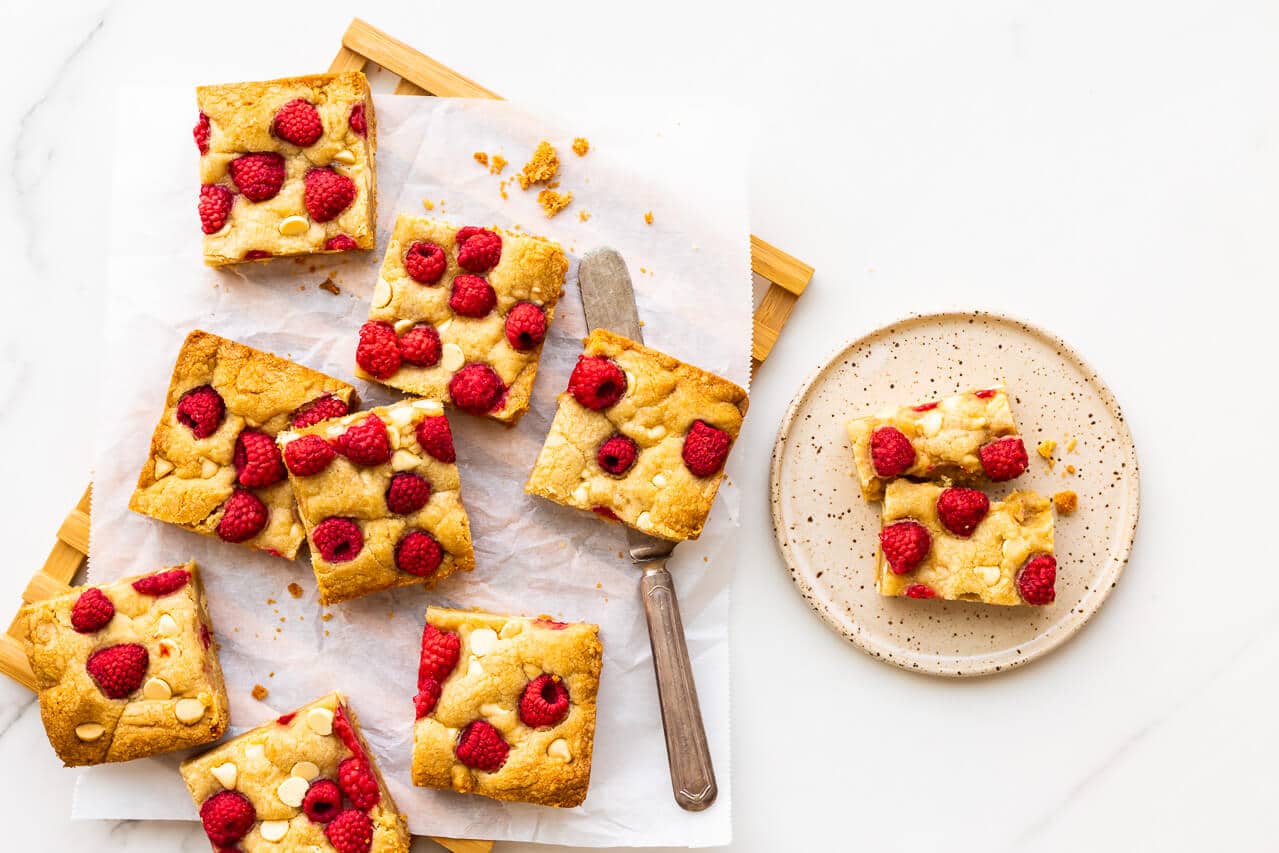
column 214, row 467
column 639, row 437
column 963, row 437
column 302, row 782
column 286, row 167
column 506, row 706
column 127, row 669
column 953, row 543
column 459, row 315
column 380, row 497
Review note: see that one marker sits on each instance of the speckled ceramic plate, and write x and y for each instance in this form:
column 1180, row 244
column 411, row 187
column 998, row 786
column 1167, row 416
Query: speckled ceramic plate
column 829, row 535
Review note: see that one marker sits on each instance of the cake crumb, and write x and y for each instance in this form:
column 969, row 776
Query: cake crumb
column 599, row 585
column 1046, row 449
column 583, row 215
column 1066, row 502
column 553, row 202
column 327, row 616
column 481, row 158
column 329, row 286
column 295, row 590
column 1070, row 448
column 496, row 164
column 581, row 145
column 501, row 188
column 428, row 204
column 271, row 674
column 259, row 692
column 648, row 217
column 1070, row 469
column 541, row 168
column 270, row 601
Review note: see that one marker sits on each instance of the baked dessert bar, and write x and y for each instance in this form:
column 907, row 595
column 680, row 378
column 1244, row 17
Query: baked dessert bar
column 380, row 497
column 506, row 706
column 964, row 437
column 127, row 669
column 214, row 467
column 303, row 782
column 639, row 437
column 954, row 543
column 459, row 315
column 286, row 167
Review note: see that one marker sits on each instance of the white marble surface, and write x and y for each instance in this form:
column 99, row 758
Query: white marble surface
column 1106, row 171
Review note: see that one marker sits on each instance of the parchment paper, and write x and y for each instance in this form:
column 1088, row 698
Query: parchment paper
column 691, row 269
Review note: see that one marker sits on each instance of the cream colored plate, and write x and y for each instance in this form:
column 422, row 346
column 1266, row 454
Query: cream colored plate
column 829, row 535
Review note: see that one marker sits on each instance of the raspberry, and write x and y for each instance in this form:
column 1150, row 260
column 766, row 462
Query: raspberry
column 359, row 783
column 420, row 346
column 1004, row 459
column 227, row 817
column 323, row 801
column 215, row 207
column 357, row 120
column 308, row 455
column 440, row 650
column 118, row 670
column 341, row 243
column 285, row 719
column 201, row 133
column 478, row 250
column 920, row 590
column 163, row 583
column 550, row 624
column 705, row 449
column 476, row 388
column 350, row 832
column 327, row 194
column 617, row 455
column 596, row 382
column 926, row 407
column 418, row 554
column 1036, row 579
column 544, row 701
column 436, row 438
column 985, row 394
column 525, row 326
column 378, row 353
column 202, row 410
column 256, row 255
column 346, row 732
column 365, row 443
column 428, row 694
column 91, row 611
column 891, row 452
column 258, row 176
column 320, row 409
column 472, row 296
column 257, row 460
column 961, row 510
column 338, row 540
column 905, row 545
column 605, row 512
column 480, row 746
column 298, row 122
column 425, row 262
column 407, row 493
column 243, row 517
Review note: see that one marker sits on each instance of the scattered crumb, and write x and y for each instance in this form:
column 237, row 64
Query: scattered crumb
column 501, row 188
column 270, row 675
column 541, row 168
column 599, row 586
column 642, row 270
column 553, row 202
column 284, row 619
column 301, row 288
column 648, row 218
column 259, row 692
column 327, row 616
column 641, row 324
column 1046, row 449
column 1070, row 469
column 580, row 146
column 1070, row 448
column 1066, row 502
column 583, row 215
column 428, row 204
column 498, row 163
column 329, row 286
column 295, row 590
column 481, row 158
column 270, row 601
column 326, row 632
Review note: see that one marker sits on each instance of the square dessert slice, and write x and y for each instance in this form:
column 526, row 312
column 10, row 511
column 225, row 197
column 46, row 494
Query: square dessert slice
column 639, row 437
column 953, row 543
column 127, row 669
column 381, row 499
column 214, row 467
column 286, row 167
column 459, row 315
column 964, row 437
column 303, row 782
column 506, row 706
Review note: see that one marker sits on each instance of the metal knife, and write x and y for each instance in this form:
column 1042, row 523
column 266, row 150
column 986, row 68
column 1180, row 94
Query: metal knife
column 609, row 300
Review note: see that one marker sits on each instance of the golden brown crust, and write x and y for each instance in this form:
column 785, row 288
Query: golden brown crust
column 346, row 490
column 171, row 629
column 240, row 121
column 185, row 479
column 266, row 757
column 530, row 270
column 550, row 766
column 664, row 396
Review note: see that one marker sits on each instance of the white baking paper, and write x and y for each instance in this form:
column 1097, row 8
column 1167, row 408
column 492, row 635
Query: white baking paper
column 692, row 279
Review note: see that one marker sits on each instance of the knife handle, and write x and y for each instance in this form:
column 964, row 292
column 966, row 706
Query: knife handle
column 692, row 776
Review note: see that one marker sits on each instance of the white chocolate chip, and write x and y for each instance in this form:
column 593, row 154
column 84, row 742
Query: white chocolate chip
column 482, row 641
column 166, row 626
column 162, row 467
column 273, row 830
column 404, row 460
column 89, row 732
column 170, row 648
column 990, row 575
column 444, row 326
column 305, row 770
column 292, row 226
column 431, row 407
column 475, row 668
column 532, row 670
column 452, row 358
column 285, row 437
column 511, row 629
column 659, row 480
column 334, row 430
column 630, row 381
column 402, row 326
column 393, row 438
column 189, row 711
column 492, row 709
column 381, row 294
column 401, row 415
column 226, row 774
column 254, row 752
column 559, row 750
column 157, row 688
column 207, row 468
column 346, row 157
column 930, row 423
column 644, row 522
column 292, row 790
column 296, row 531
column 580, row 494
column 320, row 720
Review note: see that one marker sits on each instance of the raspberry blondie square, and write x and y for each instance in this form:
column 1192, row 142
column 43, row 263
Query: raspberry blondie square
column 459, row 315
column 953, row 543
column 381, row 499
column 214, row 467
column 639, row 437
column 965, row 437
column 286, row 167
column 302, row 782
column 506, row 706
column 127, row 669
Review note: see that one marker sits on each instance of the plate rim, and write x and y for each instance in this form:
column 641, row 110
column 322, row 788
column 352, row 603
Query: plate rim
column 928, row 666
